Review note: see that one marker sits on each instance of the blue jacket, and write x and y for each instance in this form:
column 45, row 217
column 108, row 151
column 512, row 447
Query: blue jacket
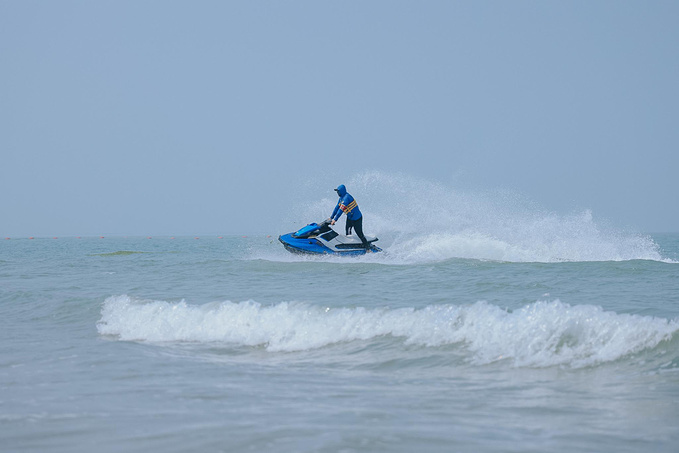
column 346, row 204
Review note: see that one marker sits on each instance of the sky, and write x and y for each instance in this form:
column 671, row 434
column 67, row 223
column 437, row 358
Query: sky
column 186, row 117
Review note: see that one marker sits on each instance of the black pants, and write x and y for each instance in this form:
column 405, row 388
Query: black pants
column 357, row 225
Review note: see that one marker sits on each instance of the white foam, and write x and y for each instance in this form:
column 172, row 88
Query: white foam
column 542, row 334
column 420, row 221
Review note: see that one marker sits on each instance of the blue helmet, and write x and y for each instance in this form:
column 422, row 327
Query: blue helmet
column 341, row 190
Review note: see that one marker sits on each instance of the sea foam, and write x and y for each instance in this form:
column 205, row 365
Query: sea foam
column 542, row 334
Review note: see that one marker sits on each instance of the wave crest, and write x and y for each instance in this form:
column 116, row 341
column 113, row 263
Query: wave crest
column 542, row 334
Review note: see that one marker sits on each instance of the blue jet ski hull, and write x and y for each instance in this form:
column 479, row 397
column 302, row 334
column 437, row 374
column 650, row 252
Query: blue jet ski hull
column 315, row 239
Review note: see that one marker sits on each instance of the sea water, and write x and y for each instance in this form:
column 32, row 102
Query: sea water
column 483, row 327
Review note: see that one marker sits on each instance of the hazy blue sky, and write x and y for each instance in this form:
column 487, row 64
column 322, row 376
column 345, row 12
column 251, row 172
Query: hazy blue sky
column 167, row 117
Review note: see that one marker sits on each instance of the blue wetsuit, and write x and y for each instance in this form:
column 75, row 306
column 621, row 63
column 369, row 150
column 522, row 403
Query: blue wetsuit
column 348, row 206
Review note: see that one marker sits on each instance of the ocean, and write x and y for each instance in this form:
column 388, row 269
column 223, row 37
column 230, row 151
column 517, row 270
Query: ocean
column 484, row 331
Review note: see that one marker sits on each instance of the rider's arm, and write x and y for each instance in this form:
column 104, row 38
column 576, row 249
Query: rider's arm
column 337, row 211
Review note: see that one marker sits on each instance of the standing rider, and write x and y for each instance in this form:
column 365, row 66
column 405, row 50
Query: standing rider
column 348, row 205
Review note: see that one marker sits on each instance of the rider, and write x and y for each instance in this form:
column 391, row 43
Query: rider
column 348, row 205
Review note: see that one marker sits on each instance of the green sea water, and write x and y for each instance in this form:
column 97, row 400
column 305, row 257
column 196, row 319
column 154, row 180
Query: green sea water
column 234, row 344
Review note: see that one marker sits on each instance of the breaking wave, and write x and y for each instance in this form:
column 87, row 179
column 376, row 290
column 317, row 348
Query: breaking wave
column 542, row 334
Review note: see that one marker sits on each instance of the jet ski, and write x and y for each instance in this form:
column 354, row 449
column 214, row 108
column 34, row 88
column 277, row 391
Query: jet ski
column 318, row 239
